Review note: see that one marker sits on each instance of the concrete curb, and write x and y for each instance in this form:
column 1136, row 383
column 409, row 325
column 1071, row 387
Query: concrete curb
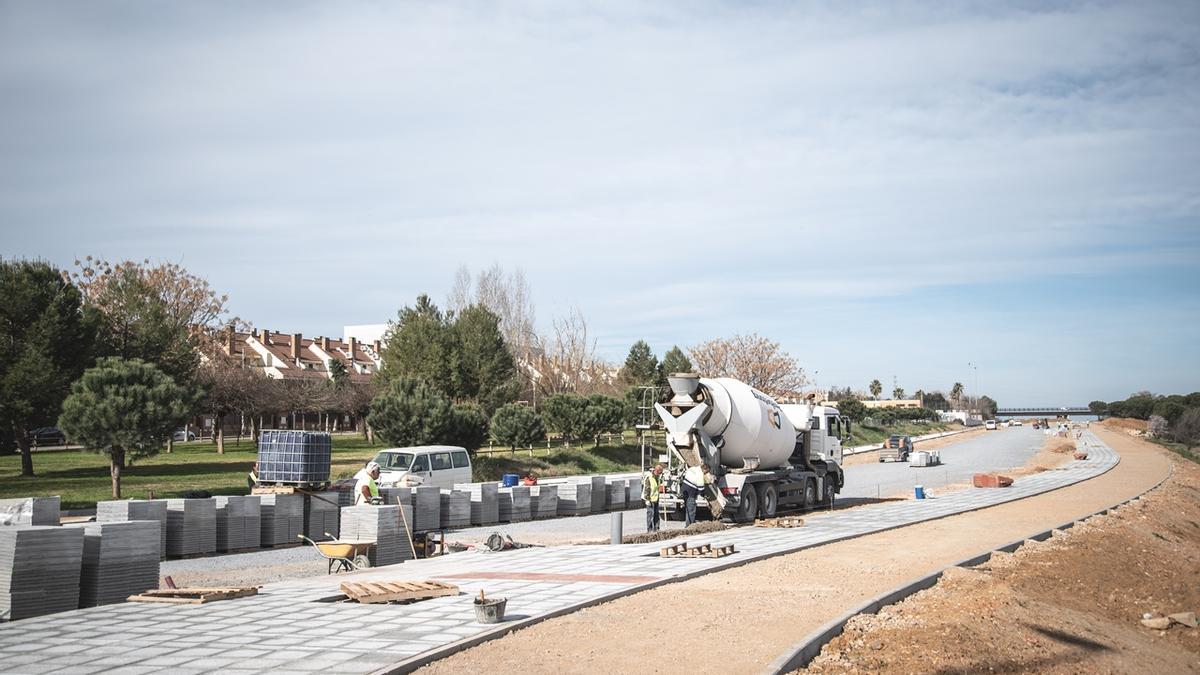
column 425, row 658
column 800, row 654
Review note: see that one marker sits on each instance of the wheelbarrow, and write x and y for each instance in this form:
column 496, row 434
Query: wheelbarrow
column 346, row 556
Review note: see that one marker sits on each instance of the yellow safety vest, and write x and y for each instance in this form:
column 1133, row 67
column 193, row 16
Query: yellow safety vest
column 652, row 481
column 373, row 487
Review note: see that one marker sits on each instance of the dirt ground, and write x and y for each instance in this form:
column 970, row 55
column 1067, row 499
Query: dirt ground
column 745, row 617
column 1070, row 604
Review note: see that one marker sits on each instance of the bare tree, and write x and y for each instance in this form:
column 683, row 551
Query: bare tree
column 505, row 294
column 753, row 359
column 567, row 361
column 230, row 387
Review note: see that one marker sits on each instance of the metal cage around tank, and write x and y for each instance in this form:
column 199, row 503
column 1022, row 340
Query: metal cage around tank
column 294, row 457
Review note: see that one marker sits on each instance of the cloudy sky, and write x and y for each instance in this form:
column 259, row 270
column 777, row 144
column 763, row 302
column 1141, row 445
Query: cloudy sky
column 888, row 190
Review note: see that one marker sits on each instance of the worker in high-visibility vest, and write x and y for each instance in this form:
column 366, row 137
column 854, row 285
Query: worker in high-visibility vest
column 366, row 490
column 651, row 487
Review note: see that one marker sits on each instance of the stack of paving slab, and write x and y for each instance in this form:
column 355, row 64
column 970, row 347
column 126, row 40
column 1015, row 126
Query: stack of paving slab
column 574, row 499
column 39, row 570
column 120, row 559
column 543, row 501
column 380, row 524
column 282, row 519
column 599, row 493
column 427, row 508
column 137, row 509
column 191, row 526
column 615, row 497
column 456, row 508
column 29, row 511
column 345, row 497
column 485, row 504
column 514, row 504
column 239, row 522
column 321, row 511
column 391, row 496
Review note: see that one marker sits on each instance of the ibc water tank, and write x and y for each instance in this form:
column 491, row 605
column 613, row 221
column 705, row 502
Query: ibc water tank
column 752, row 424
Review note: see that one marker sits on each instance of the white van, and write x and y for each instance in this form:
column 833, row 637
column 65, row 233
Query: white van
column 440, row 465
column 990, row 425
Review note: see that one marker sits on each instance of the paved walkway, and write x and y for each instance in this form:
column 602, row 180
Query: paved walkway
column 287, row 628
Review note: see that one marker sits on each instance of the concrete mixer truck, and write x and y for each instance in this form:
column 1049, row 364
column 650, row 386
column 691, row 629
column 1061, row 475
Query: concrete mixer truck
column 765, row 457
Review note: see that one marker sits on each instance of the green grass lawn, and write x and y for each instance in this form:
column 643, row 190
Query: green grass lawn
column 863, row 435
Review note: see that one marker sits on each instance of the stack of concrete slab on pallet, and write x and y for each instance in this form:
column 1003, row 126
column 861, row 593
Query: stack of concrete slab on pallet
column 120, row 559
column 391, row 496
column 615, row 499
column 514, row 504
column 239, row 522
column 137, row 509
column 29, row 511
column 456, row 508
column 382, row 525
column 599, row 493
column 321, row 510
column 543, row 501
column 191, row 526
column 427, row 508
column 345, row 497
column 574, row 499
column 39, row 570
column 485, row 505
column 282, row 518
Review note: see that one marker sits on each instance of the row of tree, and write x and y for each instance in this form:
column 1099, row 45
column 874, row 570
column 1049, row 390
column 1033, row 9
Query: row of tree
column 1173, row 416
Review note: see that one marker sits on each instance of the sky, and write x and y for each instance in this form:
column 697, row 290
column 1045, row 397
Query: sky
column 891, row 190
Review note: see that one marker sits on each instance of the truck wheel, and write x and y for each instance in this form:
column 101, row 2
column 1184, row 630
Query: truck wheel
column 748, row 507
column 830, row 493
column 768, row 500
column 810, row 494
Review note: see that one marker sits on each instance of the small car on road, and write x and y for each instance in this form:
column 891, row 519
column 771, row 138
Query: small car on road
column 46, row 436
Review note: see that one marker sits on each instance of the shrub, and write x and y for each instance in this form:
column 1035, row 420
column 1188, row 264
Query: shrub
column 516, row 425
column 1187, row 429
column 410, row 412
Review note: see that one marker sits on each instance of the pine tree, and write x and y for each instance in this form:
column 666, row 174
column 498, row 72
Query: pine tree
column 641, row 366
column 411, row 412
column 124, row 408
column 517, row 426
column 675, row 361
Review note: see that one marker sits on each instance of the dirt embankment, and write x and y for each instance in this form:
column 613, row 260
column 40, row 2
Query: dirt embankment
column 1068, row 605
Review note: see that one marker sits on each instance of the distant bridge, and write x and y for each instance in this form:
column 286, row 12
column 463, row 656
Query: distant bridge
column 1044, row 412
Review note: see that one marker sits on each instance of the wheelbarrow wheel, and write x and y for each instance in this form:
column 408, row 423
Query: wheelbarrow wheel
column 362, row 562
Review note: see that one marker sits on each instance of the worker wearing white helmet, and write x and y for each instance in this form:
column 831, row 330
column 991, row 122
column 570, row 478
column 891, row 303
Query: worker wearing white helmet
column 366, row 490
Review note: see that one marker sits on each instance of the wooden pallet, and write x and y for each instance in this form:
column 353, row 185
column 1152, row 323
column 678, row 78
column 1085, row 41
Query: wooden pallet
column 779, row 522
column 281, row 489
column 192, row 596
column 372, row 592
column 701, row 551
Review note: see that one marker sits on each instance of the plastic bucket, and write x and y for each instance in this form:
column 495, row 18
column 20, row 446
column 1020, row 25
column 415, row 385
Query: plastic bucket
column 510, row 479
column 490, row 610
column 920, row 491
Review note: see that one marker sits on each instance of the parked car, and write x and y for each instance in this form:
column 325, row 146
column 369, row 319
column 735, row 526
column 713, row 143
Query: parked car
column 1016, row 423
column 896, row 449
column 183, row 435
column 990, row 425
column 47, row 436
column 440, row 465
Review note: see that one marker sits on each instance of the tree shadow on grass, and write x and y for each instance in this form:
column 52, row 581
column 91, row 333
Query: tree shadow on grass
column 150, row 470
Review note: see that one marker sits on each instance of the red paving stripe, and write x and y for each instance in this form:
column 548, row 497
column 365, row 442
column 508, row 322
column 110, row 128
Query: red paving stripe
column 542, row 576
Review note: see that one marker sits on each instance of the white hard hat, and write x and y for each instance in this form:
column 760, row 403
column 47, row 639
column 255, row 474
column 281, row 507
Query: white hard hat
column 372, row 466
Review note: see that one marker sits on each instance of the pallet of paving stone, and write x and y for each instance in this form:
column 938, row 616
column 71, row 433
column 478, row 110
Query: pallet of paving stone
column 119, row 559
column 574, row 499
column 40, row 568
column 191, row 527
column 380, row 524
column 239, row 524
column 543, row 501
column 599, row 494
column 455, row 508
column 136, row 509
column 192, row 596
column 514, row 504
column 30, row 511
column 321, row 512
column 374, row 592
column 427, row 508
column 485, row 502
column 615, row 495
column 282, row 519
column 701, row 551
column 779, row 522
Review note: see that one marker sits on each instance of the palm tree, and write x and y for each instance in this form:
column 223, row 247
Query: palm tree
column 956, row 393
column 920, row 396
column 876, row 389
column 898, row 393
